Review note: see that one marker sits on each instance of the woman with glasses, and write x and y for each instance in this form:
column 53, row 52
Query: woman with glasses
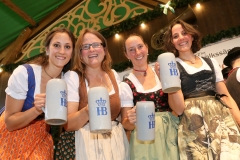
column 143, row 84
column 92, row 67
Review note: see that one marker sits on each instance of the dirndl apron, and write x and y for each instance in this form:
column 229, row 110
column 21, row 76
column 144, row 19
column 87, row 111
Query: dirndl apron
column 164, row 146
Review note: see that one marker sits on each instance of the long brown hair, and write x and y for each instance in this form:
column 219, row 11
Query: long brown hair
column 189, row 29
column 43, row 60
column 79, row 65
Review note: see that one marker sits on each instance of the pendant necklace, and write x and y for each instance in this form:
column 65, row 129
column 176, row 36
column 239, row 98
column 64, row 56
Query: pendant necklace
column 192, row 61
column 48, row 74
column 144, row 71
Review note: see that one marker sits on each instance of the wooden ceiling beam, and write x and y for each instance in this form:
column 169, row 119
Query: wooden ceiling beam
column 60, row 11
column 20, row 12
column 9, row 54
column 148, row 3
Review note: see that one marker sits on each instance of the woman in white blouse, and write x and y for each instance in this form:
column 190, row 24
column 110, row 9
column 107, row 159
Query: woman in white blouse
column 23, row 131
column 207, row 100
column 142, row 84
column 92, row 68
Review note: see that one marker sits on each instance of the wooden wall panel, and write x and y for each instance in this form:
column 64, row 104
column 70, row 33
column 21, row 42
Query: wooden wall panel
column 214, row 16
column 217, row 15
column 4, row 76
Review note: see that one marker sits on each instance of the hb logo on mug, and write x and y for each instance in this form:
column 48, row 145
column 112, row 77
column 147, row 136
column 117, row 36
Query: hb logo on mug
column 151, row 121
column 173, row 69
column 63, row 98
column 101, row 109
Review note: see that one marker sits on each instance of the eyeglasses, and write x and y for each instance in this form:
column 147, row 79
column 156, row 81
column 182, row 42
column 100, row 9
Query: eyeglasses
column 94, row 45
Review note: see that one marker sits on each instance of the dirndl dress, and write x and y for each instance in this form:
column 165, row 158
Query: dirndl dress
column 165, row 145
column 31, row 142
column 65, row 148
column 102, row 146
column 207, row 129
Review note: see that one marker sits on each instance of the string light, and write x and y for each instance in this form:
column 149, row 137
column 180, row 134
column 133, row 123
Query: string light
column 117, row 35
column 1, row 69
column 143, row 25
column 198, row 5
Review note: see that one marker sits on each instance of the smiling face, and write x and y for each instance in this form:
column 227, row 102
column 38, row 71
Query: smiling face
column 136, row 51
column 181, row 39
column 60, row 49
column 93, row 56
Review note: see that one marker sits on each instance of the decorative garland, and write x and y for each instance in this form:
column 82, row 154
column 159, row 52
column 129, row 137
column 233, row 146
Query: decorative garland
column 231, row 32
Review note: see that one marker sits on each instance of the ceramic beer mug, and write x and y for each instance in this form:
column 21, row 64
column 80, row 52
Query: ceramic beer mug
column 99, row 110
column 145, row 123
column 56, row 102
column 169, row 74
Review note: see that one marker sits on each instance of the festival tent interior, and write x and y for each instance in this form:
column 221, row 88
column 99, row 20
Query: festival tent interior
column 25, row 23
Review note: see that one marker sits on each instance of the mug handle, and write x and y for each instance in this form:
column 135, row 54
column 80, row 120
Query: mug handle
column 43, row 109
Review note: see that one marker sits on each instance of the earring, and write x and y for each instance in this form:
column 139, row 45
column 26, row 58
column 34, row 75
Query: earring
column 129, row 60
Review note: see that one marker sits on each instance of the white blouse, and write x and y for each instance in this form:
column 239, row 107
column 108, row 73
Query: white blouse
column 238, row 75
column 18, row 82
column 126, row 92
column 191, row 70
column 72, row 80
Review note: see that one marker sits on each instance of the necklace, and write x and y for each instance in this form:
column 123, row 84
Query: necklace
column 192, row 61
column 48, row 74
column 144, row 71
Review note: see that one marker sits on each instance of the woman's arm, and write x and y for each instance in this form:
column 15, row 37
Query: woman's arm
column 176, row 102
column 128, row 116
column 15, row 119
column 228, row 100
column 76, row 118
column 175, row 99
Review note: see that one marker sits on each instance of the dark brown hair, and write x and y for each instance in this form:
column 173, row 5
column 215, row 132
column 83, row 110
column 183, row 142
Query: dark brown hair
column 131, row 35
column 79, row 65
column 43, row 60
column 189, row 29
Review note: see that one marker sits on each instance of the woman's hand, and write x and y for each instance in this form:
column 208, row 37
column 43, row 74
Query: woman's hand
column 39, row 102
column 131, row 115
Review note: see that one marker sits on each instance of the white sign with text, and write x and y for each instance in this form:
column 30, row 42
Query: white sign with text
column 219, row 50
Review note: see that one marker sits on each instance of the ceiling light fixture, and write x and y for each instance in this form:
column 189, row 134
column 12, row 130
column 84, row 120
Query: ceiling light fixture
column 198, row 5
column 143, row 25
column 117, row 35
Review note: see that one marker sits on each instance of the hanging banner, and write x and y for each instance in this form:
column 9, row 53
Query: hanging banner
column 219, row 50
